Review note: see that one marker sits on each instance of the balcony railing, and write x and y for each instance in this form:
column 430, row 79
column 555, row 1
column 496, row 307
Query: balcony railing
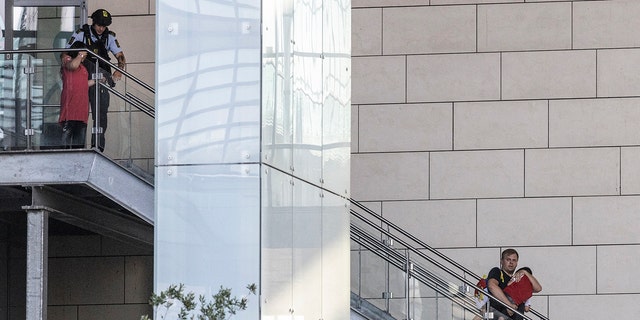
column 30, row 108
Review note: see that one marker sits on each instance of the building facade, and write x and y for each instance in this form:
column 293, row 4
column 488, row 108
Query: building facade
column 481, row 125
column 477, row 125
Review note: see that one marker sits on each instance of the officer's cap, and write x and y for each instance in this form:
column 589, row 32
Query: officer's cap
column 101, row 17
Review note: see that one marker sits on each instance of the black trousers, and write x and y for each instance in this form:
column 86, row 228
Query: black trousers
column 103, row 109
column 73, row 134
column 502, row 312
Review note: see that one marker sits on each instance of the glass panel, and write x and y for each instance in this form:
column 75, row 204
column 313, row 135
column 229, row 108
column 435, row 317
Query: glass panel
column 41, row 88
column 335, row 257
column 277, row 110
column 208, row 75
column 370, row 276
column 337, row 126
column 43, row 27
column 337, row 95
column 208, row 229
column 208, row 82
column 13, row 102
column 25, row 26
column 307, row 251
column 45, row 99
column 128, row 139
column 307, row 90
column 307, row 126
column 277, row 244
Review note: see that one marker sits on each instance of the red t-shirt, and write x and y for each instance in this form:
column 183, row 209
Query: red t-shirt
column 74, row 100
column 520, row 291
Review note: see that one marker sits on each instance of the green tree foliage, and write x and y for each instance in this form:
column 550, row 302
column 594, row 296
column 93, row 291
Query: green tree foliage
column 221, row 307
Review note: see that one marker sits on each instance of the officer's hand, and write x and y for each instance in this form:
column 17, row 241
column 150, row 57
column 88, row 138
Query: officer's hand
column 117, row 75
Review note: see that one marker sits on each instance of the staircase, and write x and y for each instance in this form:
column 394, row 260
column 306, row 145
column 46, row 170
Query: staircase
column 398, row 275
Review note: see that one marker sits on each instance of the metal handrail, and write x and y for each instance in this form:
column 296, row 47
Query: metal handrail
column 418, row 241
column 422, row 274
column 133, row 100
column 94, row 55
column 140, row 104
column 430, row 249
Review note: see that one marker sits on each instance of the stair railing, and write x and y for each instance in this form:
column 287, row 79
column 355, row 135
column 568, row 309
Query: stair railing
column 373, row 236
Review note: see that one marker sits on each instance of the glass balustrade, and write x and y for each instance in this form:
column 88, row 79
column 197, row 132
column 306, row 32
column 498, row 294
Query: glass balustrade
column 30, row 109
column 402, row 277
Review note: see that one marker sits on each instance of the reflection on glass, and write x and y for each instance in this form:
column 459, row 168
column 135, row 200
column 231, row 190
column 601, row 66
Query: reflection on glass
column 277, row 243
column 337, row 125
column 335, row 256
column 306, row 137
column 227, row 100
column 307, row 89
column 307, row 227
column 277, row 97
column 208, row 229
column 209, row 85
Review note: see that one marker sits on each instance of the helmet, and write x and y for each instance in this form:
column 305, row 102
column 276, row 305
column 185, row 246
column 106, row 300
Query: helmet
column 101, row 17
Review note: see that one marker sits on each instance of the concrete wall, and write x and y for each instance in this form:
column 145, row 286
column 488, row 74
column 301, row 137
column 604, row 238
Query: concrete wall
column 93, row 277
column 480, row 125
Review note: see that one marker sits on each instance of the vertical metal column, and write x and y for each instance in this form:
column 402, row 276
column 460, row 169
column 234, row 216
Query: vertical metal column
column 37, row 255
column 97, row 129
column 408, row 271
column 28, row 131
column 387, row 295
column 8, row 32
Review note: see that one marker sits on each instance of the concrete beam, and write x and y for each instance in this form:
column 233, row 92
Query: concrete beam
column 91, row 216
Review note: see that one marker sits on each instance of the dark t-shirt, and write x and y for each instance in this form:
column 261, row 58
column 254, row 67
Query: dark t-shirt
column 503, row 279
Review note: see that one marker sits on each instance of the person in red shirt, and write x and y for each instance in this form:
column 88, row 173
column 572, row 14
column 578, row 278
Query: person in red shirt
column 521, row 287
column 74, row 99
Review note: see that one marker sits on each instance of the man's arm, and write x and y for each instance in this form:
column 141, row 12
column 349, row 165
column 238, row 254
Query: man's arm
column 537, row 287
column 72, row 63
column 122, row 64
column 496, row 291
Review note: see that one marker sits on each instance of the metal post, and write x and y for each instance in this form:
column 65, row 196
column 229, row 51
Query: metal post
column 359, row 275
column 97, row 129
column 408, row 270
column 28, row 131
column 387, row 294
column 488, row 314
column 37, row 255
column 8, row 32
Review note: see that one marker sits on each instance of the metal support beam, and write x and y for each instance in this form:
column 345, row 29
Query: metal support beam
column 80, row 167
column 92, row 217
column 37, row 255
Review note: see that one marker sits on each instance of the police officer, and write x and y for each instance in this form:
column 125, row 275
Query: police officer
column 101, row 41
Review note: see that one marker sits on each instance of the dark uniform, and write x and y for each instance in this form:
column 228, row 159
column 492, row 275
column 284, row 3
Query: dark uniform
column 101, row 45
